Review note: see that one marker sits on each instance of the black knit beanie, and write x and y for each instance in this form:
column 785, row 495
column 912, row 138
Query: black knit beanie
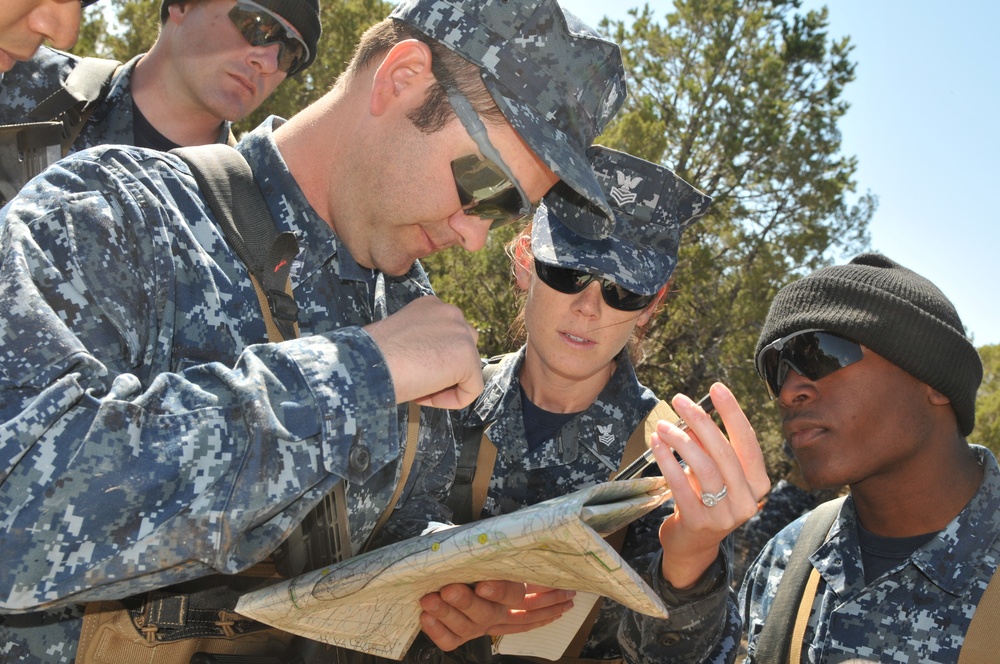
column 892, row 310
column 302, row 14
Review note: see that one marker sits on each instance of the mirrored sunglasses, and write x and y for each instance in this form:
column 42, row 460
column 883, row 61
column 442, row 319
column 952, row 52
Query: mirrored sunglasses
column 261, row 27
column 568, row 281
column 486, row 186
column 814, row 354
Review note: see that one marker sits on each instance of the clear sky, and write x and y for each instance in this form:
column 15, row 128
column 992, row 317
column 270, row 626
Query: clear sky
column 925, row 125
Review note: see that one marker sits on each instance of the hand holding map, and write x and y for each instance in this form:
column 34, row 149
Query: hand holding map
column 370, row 602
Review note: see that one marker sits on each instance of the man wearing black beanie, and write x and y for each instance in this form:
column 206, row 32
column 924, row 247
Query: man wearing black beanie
column 875, row 382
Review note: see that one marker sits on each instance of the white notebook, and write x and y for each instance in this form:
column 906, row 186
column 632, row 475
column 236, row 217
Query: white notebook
column 550, row 641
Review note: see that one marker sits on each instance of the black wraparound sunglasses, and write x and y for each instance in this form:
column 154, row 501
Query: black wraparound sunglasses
column 262, row 27
column 814, row 354
column 568, row 281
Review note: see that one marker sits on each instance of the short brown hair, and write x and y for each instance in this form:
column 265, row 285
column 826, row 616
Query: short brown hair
column 450, row 69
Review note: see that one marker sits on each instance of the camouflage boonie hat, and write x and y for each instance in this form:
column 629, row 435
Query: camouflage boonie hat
column 554, row 78
column 652, row 206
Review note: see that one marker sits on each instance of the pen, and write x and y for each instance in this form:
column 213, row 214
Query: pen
column 636, row 468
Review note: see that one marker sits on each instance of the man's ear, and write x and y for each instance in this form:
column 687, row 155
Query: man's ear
column 936, row 398
column 177, row 11
column 405, row 74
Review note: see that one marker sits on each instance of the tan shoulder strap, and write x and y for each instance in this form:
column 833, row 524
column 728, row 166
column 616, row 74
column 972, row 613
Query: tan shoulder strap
column 485, row 461
column 274, row 335
column 637, row 443
column 409, row 454
column 802, row 617
column 982, row 639
column 773, row 644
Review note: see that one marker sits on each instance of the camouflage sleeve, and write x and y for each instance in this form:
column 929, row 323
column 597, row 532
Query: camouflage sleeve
column 122, row 467
column 705, row 628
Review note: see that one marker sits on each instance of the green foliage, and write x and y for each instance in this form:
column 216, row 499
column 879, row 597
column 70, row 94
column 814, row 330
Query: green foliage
column 119, row 29
column 987, row 431
column 480, row 283
column 742, row 99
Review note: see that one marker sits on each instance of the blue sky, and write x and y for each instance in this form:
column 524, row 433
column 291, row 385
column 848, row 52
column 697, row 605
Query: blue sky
column 923, row 124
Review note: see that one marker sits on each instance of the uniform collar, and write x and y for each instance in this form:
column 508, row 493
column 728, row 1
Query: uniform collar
column 953, row 560
column 605, row 425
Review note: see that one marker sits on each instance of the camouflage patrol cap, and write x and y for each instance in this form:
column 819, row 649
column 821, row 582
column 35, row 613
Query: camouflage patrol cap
column 554, row 78
column 651, row 205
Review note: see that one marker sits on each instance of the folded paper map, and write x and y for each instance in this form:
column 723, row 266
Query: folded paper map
column 369, row 602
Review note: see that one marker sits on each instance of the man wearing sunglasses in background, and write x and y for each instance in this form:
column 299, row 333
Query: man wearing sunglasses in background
column 876, row 383
column 149, row 435
column 213, row 63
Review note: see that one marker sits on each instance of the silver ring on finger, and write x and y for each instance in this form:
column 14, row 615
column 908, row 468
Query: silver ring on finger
column 712, row 499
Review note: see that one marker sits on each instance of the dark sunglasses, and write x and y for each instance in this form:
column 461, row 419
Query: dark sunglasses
column 814, row 354
column 570, row 281
column 260, row 27
column 486, row 187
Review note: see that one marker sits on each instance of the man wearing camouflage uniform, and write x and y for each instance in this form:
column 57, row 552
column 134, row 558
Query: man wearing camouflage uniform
column 148, row 436
column 202, row 74
column 876, row 386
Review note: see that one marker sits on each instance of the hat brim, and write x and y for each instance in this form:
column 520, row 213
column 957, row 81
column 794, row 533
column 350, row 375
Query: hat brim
column 566, row 159
column 634, row 268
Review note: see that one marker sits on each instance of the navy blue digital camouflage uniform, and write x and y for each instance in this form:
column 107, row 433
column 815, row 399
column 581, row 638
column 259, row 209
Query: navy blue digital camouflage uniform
column 652, row 206
column 586, row 450
column 917, row 612
column 113, row 119
column 148, row 435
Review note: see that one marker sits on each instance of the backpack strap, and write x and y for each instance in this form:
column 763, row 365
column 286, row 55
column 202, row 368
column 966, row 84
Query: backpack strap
column 486, row 460
column 773, row 644
column 86, row 84
column 49, row 130
column 982, row 639
column 228, row 184
column 409, row 454
column 469, row 487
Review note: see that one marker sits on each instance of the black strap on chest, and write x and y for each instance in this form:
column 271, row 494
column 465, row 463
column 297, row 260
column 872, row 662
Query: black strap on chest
column 228, row 185
column 226, row 181
column 460, row 497
column 775, row 639
column 48, row 131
